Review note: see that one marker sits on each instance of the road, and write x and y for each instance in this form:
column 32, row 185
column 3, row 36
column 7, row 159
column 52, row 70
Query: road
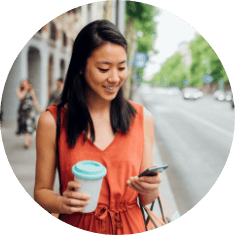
column 194, row 138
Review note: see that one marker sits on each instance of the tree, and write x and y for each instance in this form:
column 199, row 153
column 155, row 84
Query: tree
column 173, row 72
column 205, row 61
column 140, row 33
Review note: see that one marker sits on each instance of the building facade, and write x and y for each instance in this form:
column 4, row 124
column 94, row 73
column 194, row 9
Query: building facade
column 46, row 56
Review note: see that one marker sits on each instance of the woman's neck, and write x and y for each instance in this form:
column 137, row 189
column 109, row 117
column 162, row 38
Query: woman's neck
column 96, row 104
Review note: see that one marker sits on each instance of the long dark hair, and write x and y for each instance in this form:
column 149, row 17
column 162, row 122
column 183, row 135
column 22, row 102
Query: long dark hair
column 77, row 117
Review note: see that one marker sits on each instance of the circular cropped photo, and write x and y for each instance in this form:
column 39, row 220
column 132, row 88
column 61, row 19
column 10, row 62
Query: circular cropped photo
column 117, row 117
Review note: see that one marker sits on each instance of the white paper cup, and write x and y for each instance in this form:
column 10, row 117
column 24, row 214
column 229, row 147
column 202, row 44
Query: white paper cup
column 90, row 175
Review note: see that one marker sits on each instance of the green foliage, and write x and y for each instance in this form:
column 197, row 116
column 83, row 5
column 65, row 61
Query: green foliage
column 204, row 61
column 142, row 15
column 173, row 72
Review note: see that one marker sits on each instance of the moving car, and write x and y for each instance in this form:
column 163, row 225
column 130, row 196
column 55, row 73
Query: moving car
column 192, row 93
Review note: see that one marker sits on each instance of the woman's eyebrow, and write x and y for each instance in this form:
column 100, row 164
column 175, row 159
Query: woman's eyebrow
column 105, row 62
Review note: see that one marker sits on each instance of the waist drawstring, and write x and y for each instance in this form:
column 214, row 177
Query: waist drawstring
column 114, row 212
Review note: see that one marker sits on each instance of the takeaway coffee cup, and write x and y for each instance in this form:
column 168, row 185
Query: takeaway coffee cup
column 90, row 175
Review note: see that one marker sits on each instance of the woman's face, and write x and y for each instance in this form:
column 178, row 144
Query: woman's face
column 106, row 71
column 25, row 84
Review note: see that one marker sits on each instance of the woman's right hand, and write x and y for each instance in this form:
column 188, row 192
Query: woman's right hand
column 74, row 201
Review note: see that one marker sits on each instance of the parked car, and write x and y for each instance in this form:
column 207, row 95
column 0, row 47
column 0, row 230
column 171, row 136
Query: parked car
column 228, row 95
column 222, row 95
column 219, row 95
column 192, row 93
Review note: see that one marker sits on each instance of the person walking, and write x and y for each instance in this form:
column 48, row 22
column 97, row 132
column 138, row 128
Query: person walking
column 97, row 123
column 54, row 98
column 26, row 122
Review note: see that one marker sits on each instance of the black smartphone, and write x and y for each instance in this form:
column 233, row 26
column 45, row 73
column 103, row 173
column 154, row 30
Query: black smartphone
column 152, row 171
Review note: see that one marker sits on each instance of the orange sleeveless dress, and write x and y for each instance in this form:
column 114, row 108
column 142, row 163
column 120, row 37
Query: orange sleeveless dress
column 117, row 211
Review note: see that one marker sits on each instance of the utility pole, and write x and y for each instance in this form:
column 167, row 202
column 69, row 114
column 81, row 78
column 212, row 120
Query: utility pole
column 208, row 71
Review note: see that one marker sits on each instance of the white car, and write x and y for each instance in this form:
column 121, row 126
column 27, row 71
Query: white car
column 192, row 93
column 219, row 95
column 222, row 95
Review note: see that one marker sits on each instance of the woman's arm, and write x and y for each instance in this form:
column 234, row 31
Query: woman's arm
column 46, row 164
column 35, row 101
column 21, row 94
column 45, row 173
column 147, row 186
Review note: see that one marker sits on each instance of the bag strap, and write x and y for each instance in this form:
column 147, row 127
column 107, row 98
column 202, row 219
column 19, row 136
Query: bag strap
column 58, row 124
column 151, row 208
column 162, row 201
column 157, row 221
column 142, row 210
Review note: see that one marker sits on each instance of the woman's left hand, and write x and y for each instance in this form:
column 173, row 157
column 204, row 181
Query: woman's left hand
column 144, row 184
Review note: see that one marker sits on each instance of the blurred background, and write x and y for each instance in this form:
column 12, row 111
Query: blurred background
column 172, row 70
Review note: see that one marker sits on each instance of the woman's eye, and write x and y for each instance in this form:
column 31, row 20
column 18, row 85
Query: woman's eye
column 103, row 70
column 122, row 68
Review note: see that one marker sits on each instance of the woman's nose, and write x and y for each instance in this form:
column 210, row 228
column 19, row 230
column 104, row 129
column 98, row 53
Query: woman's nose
column 114, row 77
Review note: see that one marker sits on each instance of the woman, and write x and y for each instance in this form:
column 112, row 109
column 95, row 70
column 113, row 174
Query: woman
column 97, row 123
column 26, row 113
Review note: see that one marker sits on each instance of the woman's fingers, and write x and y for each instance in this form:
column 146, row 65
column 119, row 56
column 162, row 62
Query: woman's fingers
column 76, row 195
column 74, row 201
column 145, row 184
column 70, row 210
column 73, row 185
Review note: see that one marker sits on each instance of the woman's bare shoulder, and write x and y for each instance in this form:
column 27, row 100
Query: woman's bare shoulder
column 47, row 118
column 46, row 121
column 148, row 117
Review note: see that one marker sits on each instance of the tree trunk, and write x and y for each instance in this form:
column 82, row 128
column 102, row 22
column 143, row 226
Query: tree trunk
column 130, row 34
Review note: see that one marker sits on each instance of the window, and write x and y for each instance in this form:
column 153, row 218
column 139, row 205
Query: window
column 53, row 31
column 64, row 39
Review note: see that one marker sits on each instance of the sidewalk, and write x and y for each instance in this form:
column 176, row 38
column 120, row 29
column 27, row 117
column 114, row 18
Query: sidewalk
column 22, row 161
column 165, row 189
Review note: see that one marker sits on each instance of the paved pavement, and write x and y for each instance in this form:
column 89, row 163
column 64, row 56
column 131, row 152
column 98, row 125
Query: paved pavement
column 165, row 189
column 23, row 161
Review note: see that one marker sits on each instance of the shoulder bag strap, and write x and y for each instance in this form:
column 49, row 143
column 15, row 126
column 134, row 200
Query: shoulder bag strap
column 58, row 124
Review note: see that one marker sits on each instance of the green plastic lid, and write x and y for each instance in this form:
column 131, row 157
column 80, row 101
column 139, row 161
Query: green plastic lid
column 89, row 170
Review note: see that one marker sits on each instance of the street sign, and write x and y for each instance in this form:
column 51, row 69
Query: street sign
column 138, row 78
column 207, row 79
column 186, row 82
column 141, row 59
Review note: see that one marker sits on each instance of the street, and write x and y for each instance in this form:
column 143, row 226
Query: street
column 194, row 137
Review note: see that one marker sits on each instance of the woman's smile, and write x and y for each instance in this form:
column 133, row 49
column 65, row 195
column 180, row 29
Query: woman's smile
column 110, row 89
column 106, row 71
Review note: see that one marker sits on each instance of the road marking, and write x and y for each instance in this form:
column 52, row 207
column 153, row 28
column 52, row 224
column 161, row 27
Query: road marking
column 209, row 124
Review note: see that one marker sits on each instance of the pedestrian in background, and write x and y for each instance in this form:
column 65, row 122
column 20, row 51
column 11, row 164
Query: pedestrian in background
column 26, row 122
column 97, row 123
column 54, row 98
